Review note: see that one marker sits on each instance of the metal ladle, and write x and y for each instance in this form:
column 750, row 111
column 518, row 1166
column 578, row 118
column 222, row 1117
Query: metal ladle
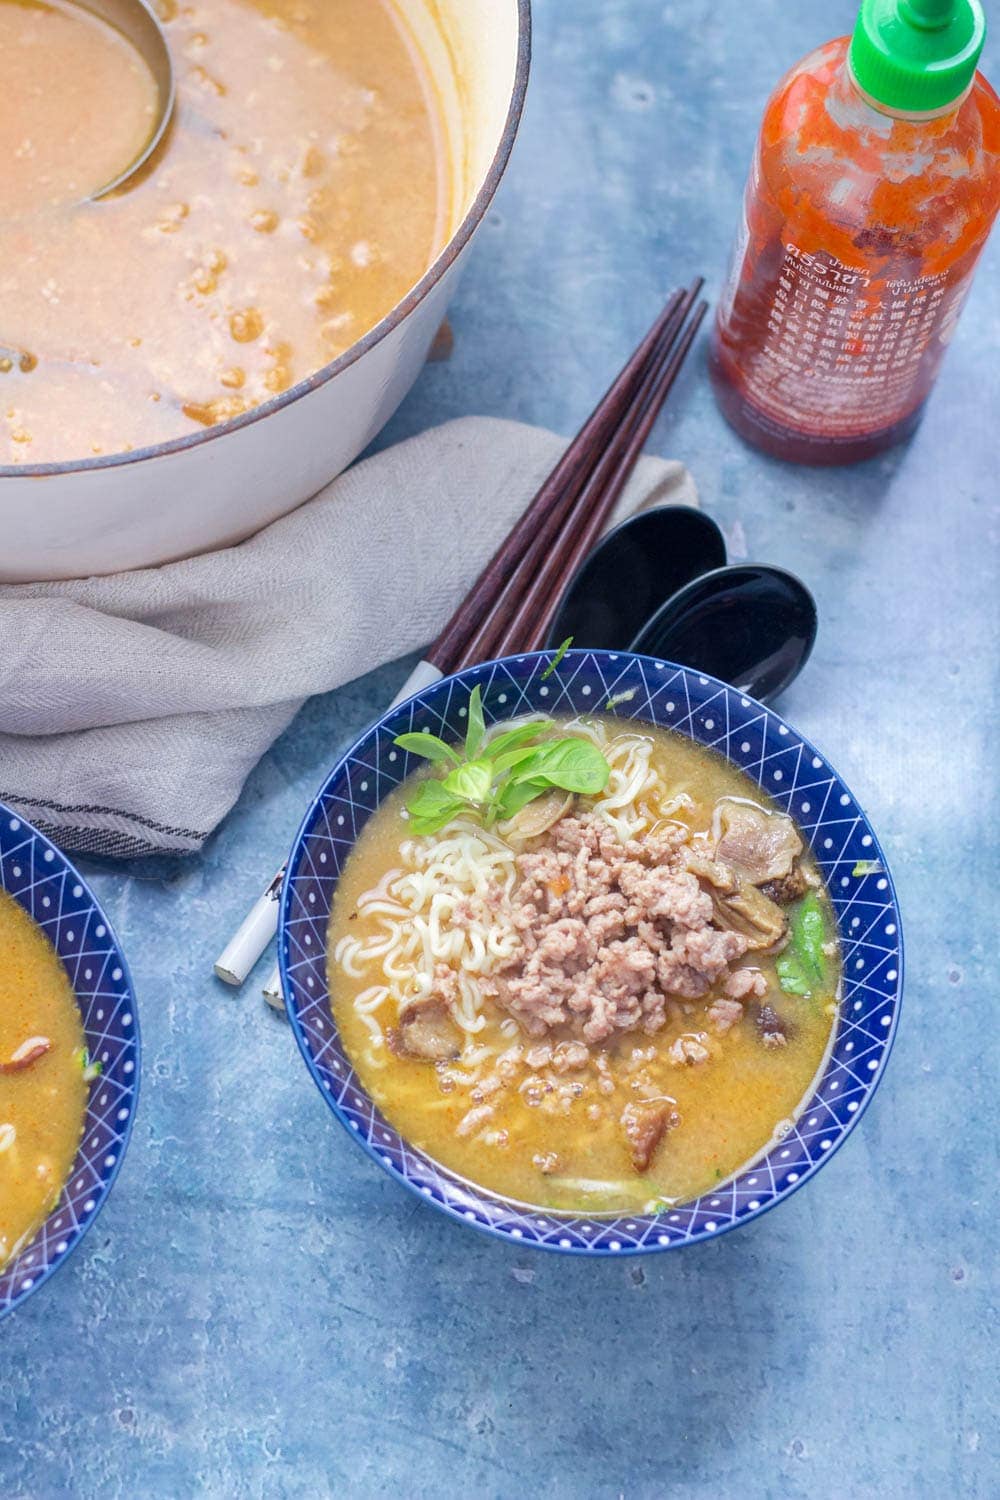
column 135, row 21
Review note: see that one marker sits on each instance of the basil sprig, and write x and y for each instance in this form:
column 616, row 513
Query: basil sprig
column 560, row 653
column 494, row 782
column 802, row 966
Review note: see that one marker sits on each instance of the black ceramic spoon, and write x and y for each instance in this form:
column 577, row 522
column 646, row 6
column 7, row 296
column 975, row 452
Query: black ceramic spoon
column 632, row 571
column 750, row 625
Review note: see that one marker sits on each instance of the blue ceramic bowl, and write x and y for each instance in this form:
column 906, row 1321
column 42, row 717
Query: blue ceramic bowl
column 773, row 755
column 44, row 882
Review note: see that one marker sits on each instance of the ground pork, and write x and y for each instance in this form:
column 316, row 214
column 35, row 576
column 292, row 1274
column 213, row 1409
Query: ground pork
column 689, row 1050
column 746, row 983
column 610, row 933
column 471, row 1122
column 570, row 1056
column 724, row 1014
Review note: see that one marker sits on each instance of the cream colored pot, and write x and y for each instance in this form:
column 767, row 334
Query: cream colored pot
column 208, row 489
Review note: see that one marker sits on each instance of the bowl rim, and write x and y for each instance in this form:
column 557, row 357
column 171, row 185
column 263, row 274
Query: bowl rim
column 396, row 315
column 501, row 1232
column 52, row 1266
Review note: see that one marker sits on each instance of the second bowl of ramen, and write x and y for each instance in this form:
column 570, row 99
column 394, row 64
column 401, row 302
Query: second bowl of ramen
column 601, row 956
column 69, row 1058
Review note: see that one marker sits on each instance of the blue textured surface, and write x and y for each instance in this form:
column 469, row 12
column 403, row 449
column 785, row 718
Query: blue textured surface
column 708, row 711
column 261, row 1313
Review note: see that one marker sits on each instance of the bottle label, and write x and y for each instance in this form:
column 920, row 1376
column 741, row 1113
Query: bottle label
column 845, row 351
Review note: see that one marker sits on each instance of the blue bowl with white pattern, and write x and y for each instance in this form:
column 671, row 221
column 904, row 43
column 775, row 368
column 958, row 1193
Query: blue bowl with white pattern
column 42, row 880
column 773, row 755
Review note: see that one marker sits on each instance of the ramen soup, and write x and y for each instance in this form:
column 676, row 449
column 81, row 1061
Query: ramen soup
column 301, row 191
column 43, row 1077
column 607, row 1002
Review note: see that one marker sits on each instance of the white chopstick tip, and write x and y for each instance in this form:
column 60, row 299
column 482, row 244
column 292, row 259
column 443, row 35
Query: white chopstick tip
column 425, row 674
column 227, row 976
column 273, row 993
column 251, row 938
column 261, row 923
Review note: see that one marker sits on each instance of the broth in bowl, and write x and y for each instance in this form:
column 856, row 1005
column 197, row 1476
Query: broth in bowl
column 43, row 1077
column 301, row 191
column 609, row 998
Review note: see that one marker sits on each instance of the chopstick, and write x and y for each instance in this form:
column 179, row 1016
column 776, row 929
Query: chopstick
column 553, row 500
column 505, row 629
column 529, row 627
column 510, row 606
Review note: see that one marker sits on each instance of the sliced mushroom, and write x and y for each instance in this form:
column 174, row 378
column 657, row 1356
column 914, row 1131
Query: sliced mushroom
column 426, row 1031
column 645, row 1125
column 713, row 872
column 789, row 888
column 773, row 1031
column 750, row 912
column 760, row 845
column 537, row 817
column 739, row 905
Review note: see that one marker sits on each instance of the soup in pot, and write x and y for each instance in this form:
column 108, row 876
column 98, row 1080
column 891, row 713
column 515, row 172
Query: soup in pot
column 44, row 1071
column 611, row 998
column 299, row 194
column 51, row 50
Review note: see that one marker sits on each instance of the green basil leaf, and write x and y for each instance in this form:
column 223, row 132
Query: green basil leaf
column 802, row 966
column 430, row 807
column 512, row 759
column 564, row 647
column 514, row 795
column 611, row 706
column 477, row 724
column 427, row 745
column 499, row 744
column 573, row 764
column 809, row 935
column 429, row 798
column 791, row 974
column 471, row 781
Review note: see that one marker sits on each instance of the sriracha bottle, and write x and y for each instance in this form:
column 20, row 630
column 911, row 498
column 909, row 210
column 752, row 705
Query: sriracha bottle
column 874, row 185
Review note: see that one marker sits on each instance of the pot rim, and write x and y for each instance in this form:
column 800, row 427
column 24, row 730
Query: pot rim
column 392, row 320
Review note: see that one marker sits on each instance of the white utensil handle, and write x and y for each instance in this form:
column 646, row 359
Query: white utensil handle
column 252, row 936
column 424, row 674
column 261, row 922
column 273, row 993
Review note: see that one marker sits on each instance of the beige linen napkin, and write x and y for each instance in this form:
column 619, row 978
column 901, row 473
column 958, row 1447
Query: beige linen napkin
column 133, row 707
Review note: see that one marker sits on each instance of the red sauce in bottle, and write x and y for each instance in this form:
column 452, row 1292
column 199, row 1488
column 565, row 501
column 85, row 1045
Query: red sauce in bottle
column 861, row 232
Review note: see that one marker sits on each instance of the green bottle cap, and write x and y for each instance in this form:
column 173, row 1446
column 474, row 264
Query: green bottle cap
column 917, row 56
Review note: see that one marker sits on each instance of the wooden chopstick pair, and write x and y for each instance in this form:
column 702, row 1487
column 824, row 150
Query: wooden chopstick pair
column 512, row 604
